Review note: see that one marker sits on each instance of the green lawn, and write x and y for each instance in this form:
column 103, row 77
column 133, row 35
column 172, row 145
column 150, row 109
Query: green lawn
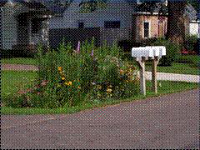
column 183, row 65
column 12, row 81
column 25, row 61
column 180, row 68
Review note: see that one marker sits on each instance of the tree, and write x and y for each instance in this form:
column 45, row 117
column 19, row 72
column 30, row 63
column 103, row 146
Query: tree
column 176, row 18
column 176, row 21
column 92, row 5
column 194, row 3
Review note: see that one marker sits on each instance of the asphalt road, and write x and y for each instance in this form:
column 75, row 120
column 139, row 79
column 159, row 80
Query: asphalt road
column 167, row 122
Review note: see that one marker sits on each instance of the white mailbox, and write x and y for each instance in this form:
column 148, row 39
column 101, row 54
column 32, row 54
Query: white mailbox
column 159, row 51
column 148, row 51
column 139, row 52
column 143, row 53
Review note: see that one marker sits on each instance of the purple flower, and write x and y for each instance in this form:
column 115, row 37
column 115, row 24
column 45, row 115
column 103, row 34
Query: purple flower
column 92, row 53
column 78, row 47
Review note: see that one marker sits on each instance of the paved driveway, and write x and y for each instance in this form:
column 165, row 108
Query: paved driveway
column 170, row 121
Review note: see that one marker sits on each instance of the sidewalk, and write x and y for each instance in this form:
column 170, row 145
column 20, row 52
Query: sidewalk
column 18, row 67
column 174, row 77
column 161, row 76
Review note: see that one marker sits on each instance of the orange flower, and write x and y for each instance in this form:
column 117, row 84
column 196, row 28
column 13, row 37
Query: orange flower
column 59, row 68
column 121, row 71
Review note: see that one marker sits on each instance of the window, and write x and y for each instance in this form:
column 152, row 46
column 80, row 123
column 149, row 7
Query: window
column 81, row 25
column 146, row 29
column 36, row 25
column 112, row 24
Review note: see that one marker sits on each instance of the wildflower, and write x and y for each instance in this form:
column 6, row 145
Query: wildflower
column 44, row 83
column 63, row 78
column 59, row 68
column 121, row 71
column 79, row 87
column 99, row 87
column 58, row 85
column 110, row 86
column 21, row 92
column 92, row 53
column 78, row 48
column 68, row 83
column 109, row 90
column 93, row 83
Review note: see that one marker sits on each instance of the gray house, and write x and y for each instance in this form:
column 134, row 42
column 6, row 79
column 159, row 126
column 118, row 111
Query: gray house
column 23, row 25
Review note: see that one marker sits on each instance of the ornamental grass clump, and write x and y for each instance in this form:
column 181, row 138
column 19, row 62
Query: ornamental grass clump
column 69, row 77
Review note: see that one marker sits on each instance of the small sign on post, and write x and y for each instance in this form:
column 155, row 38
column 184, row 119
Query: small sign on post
column 144, row 53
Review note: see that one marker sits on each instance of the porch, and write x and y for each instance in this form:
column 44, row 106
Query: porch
column 32, row 30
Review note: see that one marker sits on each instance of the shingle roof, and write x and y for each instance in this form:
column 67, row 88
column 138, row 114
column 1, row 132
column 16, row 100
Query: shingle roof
column 28, row 3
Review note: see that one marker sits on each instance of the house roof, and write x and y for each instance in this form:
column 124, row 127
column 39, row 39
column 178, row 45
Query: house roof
column 33, row 5
column 29, row 3
column 59, row 10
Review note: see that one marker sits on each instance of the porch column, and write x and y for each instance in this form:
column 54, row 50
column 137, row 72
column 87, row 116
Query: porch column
column 45, row 32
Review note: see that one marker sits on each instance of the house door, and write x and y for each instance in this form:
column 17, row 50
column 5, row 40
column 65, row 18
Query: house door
column 23, row 30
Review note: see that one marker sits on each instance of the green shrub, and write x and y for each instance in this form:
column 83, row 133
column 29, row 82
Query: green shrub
column 173, row 51
column 69, row 77
column 190, row 43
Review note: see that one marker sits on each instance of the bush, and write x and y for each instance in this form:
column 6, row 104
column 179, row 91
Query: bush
column 173, row 51
column 69, row 77
column 190, row 43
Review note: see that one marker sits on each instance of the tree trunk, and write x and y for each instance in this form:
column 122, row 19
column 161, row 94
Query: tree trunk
column 176, row 21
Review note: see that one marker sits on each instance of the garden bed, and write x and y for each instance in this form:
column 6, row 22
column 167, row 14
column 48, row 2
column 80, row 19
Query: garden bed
column 165, row 87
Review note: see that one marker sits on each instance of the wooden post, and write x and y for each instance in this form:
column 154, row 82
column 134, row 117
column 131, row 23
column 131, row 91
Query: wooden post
column 154, row 75
column 142, row 76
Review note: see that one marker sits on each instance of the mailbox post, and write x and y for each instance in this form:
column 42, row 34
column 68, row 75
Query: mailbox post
column 144, row 53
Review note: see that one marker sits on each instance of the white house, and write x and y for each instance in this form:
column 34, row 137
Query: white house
column 23, row 24
column 116, row 22
column 193, row 20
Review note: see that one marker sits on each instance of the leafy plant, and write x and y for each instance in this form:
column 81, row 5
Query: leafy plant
column 69, row 77
column 173, row 51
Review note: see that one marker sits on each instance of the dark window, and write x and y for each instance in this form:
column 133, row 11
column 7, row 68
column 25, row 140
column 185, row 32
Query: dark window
column 146, row 30
column 112, row 24
column 36, row 25
column 23, row 20
column 81, row 25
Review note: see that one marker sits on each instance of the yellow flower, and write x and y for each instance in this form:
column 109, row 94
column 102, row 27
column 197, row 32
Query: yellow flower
column 59, row 68
column 109, row 90
column 99, row 87
column 63, row 78
column 68, row 83
column 110, row 86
